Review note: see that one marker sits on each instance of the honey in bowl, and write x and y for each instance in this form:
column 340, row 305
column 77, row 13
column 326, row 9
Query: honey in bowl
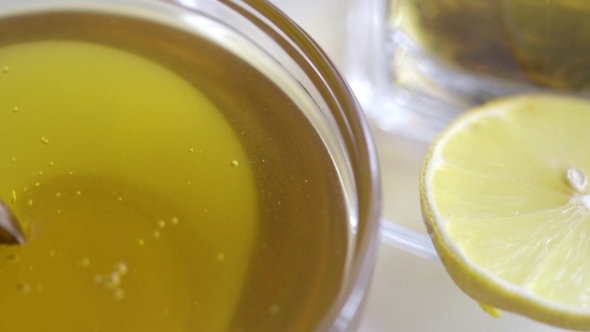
column 166, row 183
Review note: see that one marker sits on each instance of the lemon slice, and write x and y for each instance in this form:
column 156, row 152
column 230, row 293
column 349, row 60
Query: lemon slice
column 506, row 200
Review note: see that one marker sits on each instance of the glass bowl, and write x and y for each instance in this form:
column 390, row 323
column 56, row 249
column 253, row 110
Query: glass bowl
column 272, row 46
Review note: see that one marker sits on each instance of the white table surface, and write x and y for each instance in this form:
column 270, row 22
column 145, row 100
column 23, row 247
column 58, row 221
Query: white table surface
column 408, row 293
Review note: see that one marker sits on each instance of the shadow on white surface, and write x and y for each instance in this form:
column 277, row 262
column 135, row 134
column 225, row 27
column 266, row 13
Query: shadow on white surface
column 416, row 295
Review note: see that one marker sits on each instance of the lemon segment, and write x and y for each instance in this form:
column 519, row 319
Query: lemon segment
column 505, row 198
column 495, row 313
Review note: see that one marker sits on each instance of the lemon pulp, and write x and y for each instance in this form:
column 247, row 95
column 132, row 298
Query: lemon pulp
column 505, row 198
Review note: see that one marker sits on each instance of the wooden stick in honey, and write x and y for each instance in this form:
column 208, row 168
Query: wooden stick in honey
column 11, row 232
